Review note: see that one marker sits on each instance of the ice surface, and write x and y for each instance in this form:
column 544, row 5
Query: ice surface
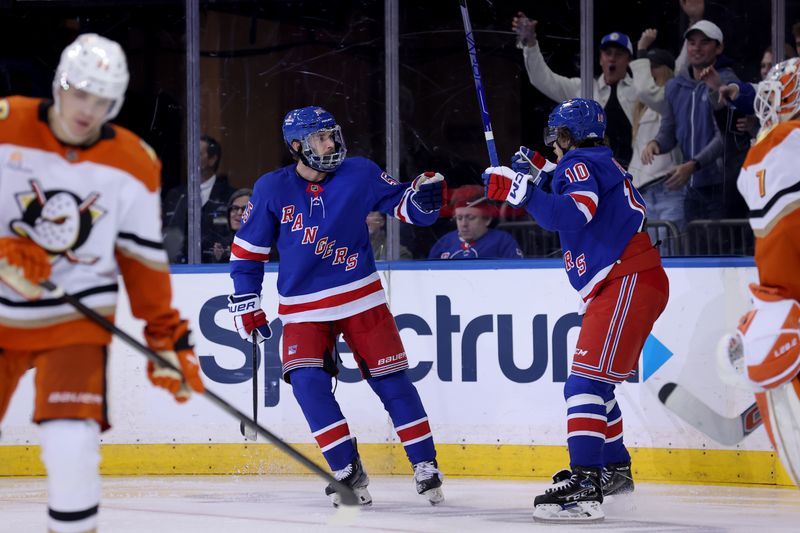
column 231, row 504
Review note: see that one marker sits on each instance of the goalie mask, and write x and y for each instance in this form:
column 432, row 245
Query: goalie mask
column 96, row 65
column 321, row 142
column 778, row 95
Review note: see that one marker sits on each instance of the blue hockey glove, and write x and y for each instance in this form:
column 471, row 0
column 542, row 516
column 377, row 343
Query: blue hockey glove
column 505, row 185
column 249, row 317
column 429, row 189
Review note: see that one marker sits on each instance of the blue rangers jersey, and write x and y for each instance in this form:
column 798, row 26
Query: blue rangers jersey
column 596, row 211
column 492, row 244
column 327, row 268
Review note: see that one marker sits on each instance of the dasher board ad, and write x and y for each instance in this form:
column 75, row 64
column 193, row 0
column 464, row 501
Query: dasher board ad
column 489, row 350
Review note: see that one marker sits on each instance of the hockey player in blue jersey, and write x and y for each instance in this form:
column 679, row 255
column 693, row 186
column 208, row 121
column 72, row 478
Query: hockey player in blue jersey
column 590, row 200
column 314, row 210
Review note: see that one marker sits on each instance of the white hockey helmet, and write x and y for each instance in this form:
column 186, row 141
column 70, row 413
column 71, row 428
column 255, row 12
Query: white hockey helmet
column 96, row 65
column 778, row 95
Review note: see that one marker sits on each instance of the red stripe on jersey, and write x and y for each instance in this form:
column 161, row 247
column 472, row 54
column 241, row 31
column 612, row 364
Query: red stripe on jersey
column 632, row 198
column 585, row 200
column 241, row 253
column 586, row 424
column 614, row 430
column 332, row 301
column 332, row 435
column 398, row 211
column 414, row 432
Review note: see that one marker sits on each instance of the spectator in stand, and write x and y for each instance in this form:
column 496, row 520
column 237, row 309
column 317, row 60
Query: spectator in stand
column 663, row 204
column 796, row 36
column 473, row 238
column 218, row 246
column 214, row 195
column 688, row 121
column 614, row 88
column 376, row 225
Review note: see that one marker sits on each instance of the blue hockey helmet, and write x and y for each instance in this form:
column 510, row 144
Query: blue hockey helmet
column 307, row 124
column 584, row 118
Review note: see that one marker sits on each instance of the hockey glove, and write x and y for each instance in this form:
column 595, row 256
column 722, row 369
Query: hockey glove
column 504, row 185
column 179, row 351
column 429, row 189
column 249, row 317
column 528, row 161
column 23, row 265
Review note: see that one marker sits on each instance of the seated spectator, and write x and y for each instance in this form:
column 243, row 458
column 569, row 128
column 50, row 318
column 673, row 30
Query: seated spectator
column 376, row 225
column 217, row 246
column 473, row 238
column 214, row 195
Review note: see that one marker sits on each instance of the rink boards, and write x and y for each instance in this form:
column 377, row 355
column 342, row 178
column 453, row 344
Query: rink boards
column 489, row 344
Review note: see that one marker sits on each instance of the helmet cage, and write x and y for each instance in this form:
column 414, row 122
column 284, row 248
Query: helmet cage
column 323, row 162
column 778, row 96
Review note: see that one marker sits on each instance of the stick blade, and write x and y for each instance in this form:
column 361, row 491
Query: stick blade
column 692, row 410
column 248, row 431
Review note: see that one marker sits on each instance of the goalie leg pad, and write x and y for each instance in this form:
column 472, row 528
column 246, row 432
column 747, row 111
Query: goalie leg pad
column 71, row 455
column 783, row 406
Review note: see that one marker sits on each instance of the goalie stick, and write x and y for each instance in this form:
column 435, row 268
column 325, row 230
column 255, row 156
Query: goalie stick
column 348, row 496
column 476, row 74
column 692, row 410
column 248, row 431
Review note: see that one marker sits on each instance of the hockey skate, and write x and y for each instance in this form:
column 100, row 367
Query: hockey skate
column 355, row 477
column 429, row 481
column 617, row 479
column 574, row 497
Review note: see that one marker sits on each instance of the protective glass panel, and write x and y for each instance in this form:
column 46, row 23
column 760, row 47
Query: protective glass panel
column 260, row 61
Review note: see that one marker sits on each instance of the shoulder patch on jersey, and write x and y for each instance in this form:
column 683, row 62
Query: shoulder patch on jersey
column 4, row 109
column 148, row 149
column 388, row 179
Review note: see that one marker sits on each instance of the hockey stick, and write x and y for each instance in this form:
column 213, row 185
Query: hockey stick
column 476, row 74
column 249, row 432
column 348, row 496
column 690, row 408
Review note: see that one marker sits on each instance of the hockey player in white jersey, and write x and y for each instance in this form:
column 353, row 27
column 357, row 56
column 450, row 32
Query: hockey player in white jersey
column 79, row 205
column 328, row 285
column 767, row 342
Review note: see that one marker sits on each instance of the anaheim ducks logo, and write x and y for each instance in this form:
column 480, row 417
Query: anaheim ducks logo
column 58, row 221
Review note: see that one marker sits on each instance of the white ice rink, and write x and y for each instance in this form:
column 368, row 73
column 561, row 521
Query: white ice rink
column 229, row 504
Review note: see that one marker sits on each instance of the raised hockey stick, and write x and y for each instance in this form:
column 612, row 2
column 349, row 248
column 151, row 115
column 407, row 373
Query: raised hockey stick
column 476, row 74
column 348, row 496
column 690, row 408
column 248, row 431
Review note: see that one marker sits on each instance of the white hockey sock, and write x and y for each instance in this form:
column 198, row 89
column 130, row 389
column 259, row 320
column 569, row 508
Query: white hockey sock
column 71, row 454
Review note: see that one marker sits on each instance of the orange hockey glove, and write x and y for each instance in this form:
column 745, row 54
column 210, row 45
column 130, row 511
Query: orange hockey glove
column 23, row 265
column 180, row 352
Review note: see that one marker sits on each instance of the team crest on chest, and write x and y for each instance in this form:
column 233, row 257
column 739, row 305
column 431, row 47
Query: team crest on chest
column 59, row 221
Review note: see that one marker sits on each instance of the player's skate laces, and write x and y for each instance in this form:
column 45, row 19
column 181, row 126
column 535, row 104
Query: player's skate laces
column 574, row 498
column 429, row 481
column 616, row 479
column 354, row 476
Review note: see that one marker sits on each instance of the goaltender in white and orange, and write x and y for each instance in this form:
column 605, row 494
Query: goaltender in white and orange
column 766, row 346
column 79, row 204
